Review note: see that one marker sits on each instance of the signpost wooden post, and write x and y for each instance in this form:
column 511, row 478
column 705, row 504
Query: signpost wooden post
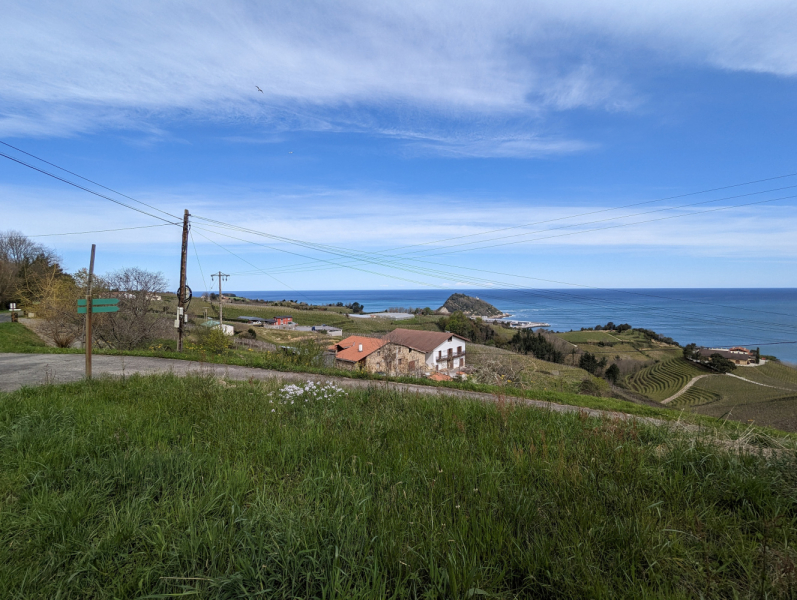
column 89, row 306
column 88, row 314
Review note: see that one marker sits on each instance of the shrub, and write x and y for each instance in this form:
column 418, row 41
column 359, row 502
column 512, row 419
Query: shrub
column 212, row 339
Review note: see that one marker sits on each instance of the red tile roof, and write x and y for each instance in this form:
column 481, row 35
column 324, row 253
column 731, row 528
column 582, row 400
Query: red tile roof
column 440, row 377
column 425, row 341
column 349, row 349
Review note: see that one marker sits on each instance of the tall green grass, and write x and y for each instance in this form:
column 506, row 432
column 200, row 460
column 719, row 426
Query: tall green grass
column 159, row 486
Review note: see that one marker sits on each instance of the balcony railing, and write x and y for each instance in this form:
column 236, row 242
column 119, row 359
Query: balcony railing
column 447, row 357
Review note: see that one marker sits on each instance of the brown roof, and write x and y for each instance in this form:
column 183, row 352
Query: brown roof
column 349, row 348
column 707, row 352
column 425, row 341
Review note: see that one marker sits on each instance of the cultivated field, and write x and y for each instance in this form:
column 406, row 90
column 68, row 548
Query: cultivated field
column 629, row 346
column 163, row 487
column 747, row 402
column 662, row 380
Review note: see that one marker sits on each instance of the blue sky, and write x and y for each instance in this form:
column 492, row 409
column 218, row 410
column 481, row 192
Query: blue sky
column 385, row 125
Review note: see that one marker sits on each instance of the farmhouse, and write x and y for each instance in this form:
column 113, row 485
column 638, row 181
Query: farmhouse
column 283, row 320
column 358, row 353
column 739, row 356
column 378, row 355
column 441, row 350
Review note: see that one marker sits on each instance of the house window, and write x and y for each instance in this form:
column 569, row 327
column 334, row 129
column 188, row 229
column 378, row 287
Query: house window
column 459, row 349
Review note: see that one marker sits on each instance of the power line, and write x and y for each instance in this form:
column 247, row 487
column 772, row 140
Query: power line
column 102, row 230
column 707, row 191
column 89, row 180
column 85, row 189
column 204, row 282
column 714, row 322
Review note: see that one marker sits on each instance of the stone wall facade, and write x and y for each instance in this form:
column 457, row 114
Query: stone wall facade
column 392, row 359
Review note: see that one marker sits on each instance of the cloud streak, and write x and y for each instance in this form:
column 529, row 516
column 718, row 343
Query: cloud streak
column 418, row 67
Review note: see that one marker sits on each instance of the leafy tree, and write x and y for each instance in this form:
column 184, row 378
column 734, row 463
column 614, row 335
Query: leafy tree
column 757, row 355
column 356, row 307
column 691, row 352
column 590, row 363
column 623, row 327
column 474, row 329
column 720, row 363
column 527, row 342
column 27, row 269
column 609, row 325
column 612, row 373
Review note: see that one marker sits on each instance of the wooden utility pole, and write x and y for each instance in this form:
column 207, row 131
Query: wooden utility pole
column 181, row 292
column 221, row 276
column 89, row 307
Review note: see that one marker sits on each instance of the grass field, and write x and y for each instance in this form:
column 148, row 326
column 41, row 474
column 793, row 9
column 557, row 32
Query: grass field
column 321, row 317
column 629, row 345
column 15, row 336
column 662, row 380
column 771, row 373
column 747, row 402
column 160, row 487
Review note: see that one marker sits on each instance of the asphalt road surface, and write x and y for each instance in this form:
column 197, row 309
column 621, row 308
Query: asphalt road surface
column 17, row 370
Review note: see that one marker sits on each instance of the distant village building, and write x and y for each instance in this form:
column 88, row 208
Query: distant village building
column 738, row 355
column 283, row 320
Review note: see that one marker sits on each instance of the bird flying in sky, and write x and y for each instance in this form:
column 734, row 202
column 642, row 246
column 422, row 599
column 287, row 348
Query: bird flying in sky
column 259, row 90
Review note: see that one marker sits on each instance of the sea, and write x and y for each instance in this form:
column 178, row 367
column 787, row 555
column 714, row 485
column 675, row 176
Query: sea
column 764, row 318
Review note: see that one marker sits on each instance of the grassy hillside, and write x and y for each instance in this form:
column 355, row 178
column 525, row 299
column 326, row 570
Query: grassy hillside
column 470, row 306
column 531, row 372
column 748, row 402
column 15, row 337
column 320, row 317
column 771, row 373
column 630, row 345
column 662, row 380
column 157, row 486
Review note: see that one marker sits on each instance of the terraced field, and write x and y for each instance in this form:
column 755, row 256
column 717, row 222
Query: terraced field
column 772, row 373
column 628, row 345
column 695, row 396
column 662, row 380
column 742, row 401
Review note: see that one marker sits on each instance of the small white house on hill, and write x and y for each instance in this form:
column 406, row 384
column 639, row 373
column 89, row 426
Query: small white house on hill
column 443, row 351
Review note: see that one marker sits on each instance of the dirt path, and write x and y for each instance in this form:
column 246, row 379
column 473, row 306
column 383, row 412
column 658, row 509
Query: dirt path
column 686, row 387
column 18, row 370
column 774, row 387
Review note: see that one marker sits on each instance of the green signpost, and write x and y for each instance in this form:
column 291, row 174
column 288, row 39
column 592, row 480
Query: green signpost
column 98, row 305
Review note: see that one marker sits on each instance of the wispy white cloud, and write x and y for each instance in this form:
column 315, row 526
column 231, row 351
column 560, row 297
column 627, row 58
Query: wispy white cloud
column 421, row 67
column 385, row 221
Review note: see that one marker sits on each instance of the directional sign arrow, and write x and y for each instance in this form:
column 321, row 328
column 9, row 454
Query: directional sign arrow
column 98, row 305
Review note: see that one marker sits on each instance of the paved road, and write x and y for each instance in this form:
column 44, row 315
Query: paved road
column 5, row 317
column 17, row 370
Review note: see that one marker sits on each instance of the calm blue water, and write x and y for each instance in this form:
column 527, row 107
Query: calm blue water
column 711, row 317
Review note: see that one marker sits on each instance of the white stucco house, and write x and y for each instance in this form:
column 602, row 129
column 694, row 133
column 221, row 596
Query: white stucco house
column 443, row 351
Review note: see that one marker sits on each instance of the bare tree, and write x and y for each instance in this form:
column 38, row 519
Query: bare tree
column 135, row 324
